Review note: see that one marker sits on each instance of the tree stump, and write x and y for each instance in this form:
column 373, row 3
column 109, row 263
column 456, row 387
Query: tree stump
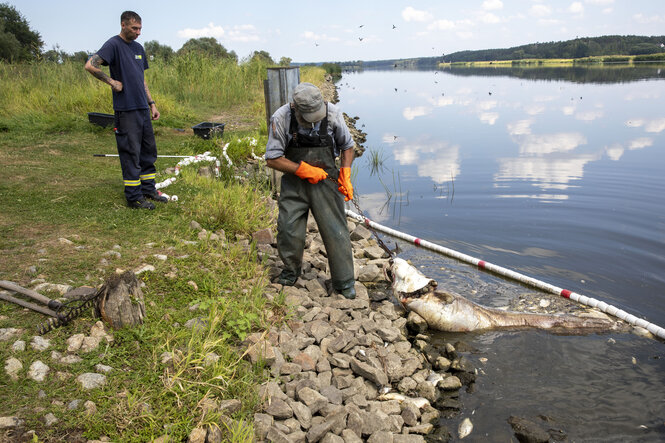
column 120, row 302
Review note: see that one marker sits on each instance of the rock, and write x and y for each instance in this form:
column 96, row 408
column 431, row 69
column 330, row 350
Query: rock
column 12, row 367
column 10, row 423
column 18, row 346
column 39, row 343
column 214, row 434
column 38, row 371
column 279, row 409
column 198, row 435
column 197, row 323
column 451, row 383
column 7, row 334
column 375, row 375
column 144, row 268
column 261, row 351
column 314, row 400
column 316, row 432
column 195, row 225
column 90, row 408
column 91, row 380
column 90, row 344
column 228, row 407
column 74, row 342
column 262, row 424
column 160, row 257
column 70, row 359
column 74, row 404
column 52, row 287
column 99, row 330
column 263, row 237
column 103, row 368
column 50, row 419
column 527, row 431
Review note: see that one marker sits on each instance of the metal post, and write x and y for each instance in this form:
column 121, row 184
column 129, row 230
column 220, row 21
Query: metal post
column 278, row 90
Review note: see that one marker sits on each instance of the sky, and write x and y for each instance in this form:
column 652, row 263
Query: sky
column 343, row 30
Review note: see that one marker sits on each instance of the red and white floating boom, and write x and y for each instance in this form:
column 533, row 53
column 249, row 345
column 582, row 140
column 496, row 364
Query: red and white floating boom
column 583, row 299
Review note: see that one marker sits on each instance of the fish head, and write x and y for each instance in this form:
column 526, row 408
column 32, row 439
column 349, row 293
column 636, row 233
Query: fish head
column 406, row 279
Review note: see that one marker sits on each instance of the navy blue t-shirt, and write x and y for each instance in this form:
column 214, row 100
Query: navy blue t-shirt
column 127, row 62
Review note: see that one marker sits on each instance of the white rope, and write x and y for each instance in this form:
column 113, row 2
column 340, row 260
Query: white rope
column 583, row 299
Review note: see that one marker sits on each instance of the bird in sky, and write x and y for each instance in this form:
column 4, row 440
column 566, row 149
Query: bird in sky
column 316, row 44
column 394, row 27
column 361, row 26
column 360, row 38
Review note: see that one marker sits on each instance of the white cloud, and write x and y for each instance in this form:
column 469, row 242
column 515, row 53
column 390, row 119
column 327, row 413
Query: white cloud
column 551, row 143
column 588, row 116
column 656, row 125
column 491, row 5
column 410, row 14
column 441, row 25
column 211, row 30
column 640, row 143
column 534, row 109
column 646, row 19
column 314, row 37
column 614, row 152
column 489, row 18
column 521, row 127
column 599, row 2
column 489, row 117
column 418, row 111
column 576, row 8
column 540, row 10
column 464, row 35
column 568, row 110
column 607, row 10
column 653, row 125
column 243, row 33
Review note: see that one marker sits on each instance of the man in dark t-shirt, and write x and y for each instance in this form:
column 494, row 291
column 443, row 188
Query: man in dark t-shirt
column 134, row 108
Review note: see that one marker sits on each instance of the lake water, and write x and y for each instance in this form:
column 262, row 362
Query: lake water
column 554, row 173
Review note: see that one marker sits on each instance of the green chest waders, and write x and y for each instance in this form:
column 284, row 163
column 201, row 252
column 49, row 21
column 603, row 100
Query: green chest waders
column 298, row 197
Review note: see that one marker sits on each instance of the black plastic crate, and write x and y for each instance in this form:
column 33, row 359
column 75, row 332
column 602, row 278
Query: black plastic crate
column 100, row 119
column 207, row 130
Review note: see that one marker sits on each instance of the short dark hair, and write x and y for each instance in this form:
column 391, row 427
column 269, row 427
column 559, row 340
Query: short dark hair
column 128, row 16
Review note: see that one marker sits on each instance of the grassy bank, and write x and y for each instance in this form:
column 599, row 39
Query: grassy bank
column 563, row 62
column 52, row 188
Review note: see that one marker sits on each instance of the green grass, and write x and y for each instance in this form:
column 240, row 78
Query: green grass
column 52, row 187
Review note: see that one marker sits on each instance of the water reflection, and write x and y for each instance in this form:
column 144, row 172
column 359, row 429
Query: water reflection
column 436, row 159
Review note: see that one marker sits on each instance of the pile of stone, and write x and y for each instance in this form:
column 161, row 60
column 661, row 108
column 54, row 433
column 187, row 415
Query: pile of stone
column 351, row 370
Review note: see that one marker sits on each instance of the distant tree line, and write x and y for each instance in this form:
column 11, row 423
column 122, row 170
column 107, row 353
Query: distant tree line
column 19, row 43
column 577, row 48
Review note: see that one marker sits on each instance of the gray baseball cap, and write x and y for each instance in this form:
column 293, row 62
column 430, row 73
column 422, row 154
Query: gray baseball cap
column 309, row 102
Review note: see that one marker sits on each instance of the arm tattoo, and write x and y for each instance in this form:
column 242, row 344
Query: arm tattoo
column 96, row 61
column 147, row 91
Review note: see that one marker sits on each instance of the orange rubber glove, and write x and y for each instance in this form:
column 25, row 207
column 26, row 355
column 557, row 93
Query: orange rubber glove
column 344, row 182
column 312, row 174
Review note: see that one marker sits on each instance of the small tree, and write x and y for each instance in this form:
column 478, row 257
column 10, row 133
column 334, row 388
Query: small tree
column 17, row 41
column 154, row 49
column 285, row 61
column 208, row 46
column 262, row 56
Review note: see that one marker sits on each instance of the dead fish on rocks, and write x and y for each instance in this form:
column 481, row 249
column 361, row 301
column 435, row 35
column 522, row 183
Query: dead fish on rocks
column 447, row 311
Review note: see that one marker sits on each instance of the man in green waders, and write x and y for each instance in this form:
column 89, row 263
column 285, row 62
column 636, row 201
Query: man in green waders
column 304, row 139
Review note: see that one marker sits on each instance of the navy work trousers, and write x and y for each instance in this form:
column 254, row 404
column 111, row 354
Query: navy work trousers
column 137, row 150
